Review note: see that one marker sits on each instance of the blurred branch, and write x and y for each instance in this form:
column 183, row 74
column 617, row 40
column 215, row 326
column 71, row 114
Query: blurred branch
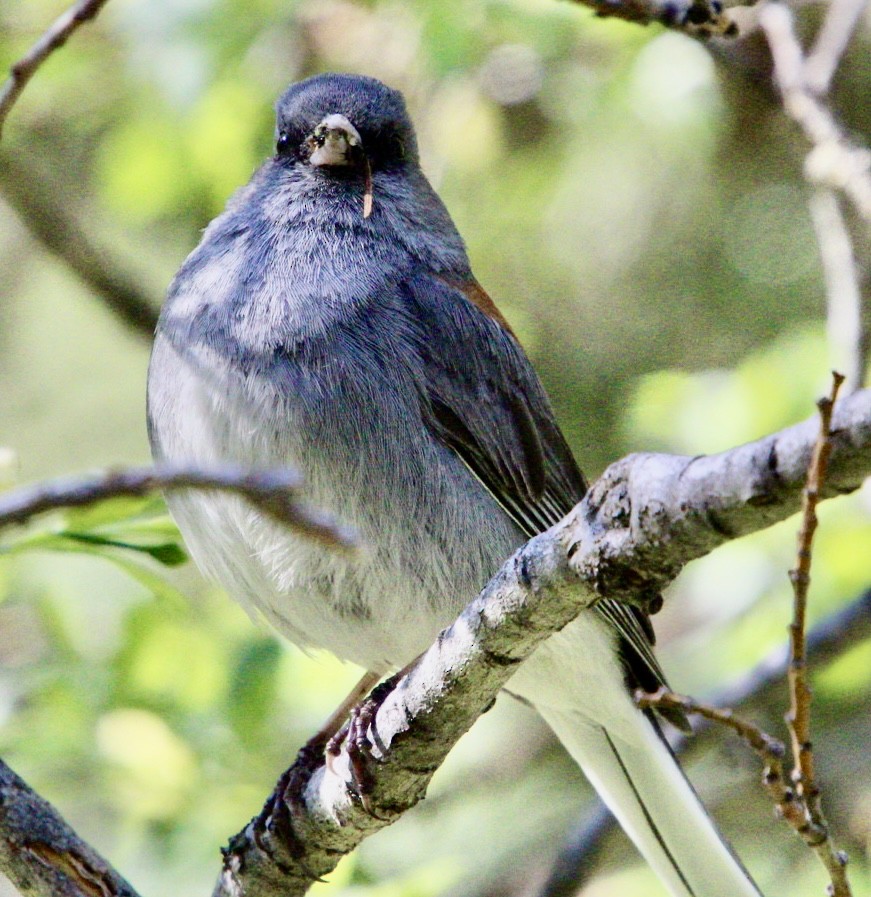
column 41, row 207
column 53, row 38
column 831, row 42
column 273, row 492
column 833, row 161
column 49, row 217
column 704, row 18
column 639, row 524
column 844, row 320
column 833, row 165
column 42, row 855
column 831, row 638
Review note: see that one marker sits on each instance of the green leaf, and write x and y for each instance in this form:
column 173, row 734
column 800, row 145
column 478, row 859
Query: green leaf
column 170, row 554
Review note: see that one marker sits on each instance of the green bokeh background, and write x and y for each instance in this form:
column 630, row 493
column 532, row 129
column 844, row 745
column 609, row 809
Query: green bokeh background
column 632, row 199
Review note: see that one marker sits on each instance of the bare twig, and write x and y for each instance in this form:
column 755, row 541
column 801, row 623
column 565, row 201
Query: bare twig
column 771, row 750
column 798, row 804
column 46, row 211
column 274, row 492
column 830, row 639
column 791, row 805
column 833, row 161
column 846, row 332
column 42, row 855
column 56, row 36
column 816, row 830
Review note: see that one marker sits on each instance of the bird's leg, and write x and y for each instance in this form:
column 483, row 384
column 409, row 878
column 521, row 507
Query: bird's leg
column 354, row 734
column 276, row 813
column 336, row 724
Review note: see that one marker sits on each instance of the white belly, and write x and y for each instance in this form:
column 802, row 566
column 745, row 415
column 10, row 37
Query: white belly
column 378, row 607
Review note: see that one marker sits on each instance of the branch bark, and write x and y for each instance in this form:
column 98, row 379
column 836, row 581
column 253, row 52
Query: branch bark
column 42, row 855
column 702, row 18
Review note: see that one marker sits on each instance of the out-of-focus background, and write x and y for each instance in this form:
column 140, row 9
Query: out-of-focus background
column 632, row 199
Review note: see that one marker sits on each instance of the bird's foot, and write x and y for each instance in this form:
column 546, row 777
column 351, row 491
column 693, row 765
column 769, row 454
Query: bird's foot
column 354, row 735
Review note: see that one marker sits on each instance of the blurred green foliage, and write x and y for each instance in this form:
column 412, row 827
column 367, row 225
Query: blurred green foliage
column 634, row 202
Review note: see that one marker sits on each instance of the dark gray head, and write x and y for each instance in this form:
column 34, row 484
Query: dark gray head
column 336, row 122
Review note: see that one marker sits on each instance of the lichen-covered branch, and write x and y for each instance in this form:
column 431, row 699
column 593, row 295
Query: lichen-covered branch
column 648, row 515
column 639, row 524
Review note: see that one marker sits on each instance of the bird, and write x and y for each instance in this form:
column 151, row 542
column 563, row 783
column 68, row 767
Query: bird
column 329, row 320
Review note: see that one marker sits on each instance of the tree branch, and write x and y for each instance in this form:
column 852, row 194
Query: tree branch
column 833, row 161
column 273, row 492
column 639, row 524
column 54, row 37
column 42, row 855
column 832, row 637
column 702, row 18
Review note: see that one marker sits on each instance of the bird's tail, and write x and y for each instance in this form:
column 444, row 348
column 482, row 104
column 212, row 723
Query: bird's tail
column 639, row 779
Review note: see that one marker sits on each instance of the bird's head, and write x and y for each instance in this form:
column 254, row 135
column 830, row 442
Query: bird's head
column 344, row 126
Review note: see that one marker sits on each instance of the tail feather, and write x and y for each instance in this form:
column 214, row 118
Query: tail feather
column 639, row 779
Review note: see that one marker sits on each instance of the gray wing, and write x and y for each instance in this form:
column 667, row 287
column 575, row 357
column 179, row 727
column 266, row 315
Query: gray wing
column 484, row 400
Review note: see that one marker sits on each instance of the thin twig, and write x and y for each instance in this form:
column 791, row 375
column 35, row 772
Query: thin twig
column 55, row 36
column 790, row 804
column 798, row 804
column 770, row 749
column 274, row 492
column 799, row 714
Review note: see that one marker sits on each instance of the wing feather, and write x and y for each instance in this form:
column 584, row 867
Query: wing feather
column 486, row 403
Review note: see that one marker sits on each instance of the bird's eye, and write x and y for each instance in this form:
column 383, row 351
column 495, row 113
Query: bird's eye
column 398, row 146
column 283, row 142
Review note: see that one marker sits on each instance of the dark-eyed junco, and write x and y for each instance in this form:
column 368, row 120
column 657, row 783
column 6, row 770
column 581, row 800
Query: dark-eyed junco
column 329, row 320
